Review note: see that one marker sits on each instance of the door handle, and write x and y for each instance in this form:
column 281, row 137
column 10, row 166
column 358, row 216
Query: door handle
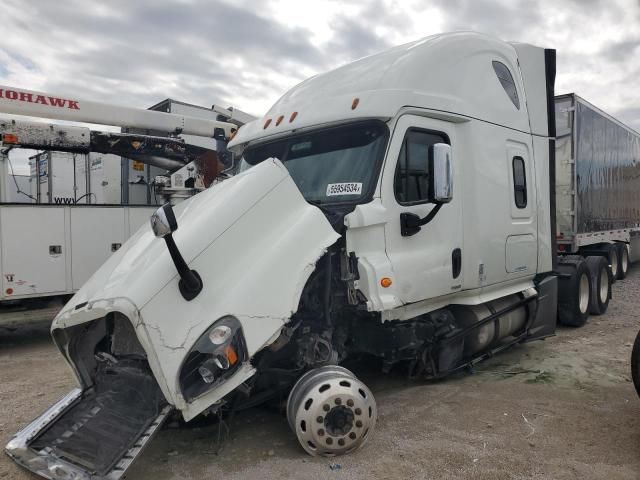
column 456, row 262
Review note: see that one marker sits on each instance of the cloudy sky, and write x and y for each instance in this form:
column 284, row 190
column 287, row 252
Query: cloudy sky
column 247, row 53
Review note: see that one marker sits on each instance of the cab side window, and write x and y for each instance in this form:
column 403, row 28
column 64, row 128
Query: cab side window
column 411, row 181
column 507, row 82
column 519, row 182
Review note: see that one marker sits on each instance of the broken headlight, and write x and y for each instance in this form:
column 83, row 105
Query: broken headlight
column 215, row 357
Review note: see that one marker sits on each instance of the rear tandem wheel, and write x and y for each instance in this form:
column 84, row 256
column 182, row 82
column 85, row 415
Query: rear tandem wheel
column 574, row 291
column 623, row 260
column 600, row 274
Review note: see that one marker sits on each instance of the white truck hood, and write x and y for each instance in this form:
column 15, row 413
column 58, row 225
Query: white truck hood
column 253, row 239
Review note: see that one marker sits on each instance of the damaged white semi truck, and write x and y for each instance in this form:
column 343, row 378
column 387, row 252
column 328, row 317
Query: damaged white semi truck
column 400, row 207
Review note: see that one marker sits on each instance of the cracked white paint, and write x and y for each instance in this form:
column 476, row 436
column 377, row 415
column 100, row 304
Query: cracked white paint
column 253, row 239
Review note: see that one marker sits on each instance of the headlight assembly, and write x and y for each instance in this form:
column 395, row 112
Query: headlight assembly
column 215, row 357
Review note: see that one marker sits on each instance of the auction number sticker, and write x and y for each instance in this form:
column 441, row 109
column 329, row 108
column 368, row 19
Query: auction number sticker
column 350, row 188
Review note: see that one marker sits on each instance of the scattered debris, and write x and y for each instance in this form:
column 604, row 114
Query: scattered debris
column 517, row 371
column 335, row 466
column 533, row 430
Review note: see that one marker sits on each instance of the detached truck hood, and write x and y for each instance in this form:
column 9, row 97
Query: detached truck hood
column 253, row 239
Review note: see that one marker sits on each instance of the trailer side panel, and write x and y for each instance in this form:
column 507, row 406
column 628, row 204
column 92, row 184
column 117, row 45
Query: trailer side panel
column 608, row 172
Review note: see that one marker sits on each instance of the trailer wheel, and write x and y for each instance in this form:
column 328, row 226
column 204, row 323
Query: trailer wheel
column 331, row 411
column 600, row 274
column 611, row 252
column 623, row 260
column 574, row 292
column 635, row 364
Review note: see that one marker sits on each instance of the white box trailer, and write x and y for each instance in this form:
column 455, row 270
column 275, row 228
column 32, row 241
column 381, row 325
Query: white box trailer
column 63, row 178
column 18, row 188
column 59, row 178
column 105, row 178
column 597, row 191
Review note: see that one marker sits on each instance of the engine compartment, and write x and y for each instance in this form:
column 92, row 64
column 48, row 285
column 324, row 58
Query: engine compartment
column 332, row 325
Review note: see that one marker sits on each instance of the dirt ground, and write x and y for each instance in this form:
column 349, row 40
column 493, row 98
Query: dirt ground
column 563, row 408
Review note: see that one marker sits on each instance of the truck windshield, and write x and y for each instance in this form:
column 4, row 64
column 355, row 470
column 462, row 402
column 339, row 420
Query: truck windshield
column 333, row 165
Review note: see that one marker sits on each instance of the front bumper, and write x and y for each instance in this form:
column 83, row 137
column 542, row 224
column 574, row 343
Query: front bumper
column 47, row 464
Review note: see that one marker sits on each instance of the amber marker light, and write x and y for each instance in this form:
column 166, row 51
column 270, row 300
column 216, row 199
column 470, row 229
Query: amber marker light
column 385, row 282
column 231, row 355
column 355, row 103
column 10, row 139
column 267, row 123
column 279, row 121
column 293, row 117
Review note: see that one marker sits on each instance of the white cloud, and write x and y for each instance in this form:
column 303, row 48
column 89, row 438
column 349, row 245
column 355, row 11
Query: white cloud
column 247, row 54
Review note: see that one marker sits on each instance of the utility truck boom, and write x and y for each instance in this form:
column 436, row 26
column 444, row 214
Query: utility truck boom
column 40, row 263
column 19, row 101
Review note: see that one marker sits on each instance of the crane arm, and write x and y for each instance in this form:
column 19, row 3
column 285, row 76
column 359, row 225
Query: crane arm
column 165, row 152
column 19, row 101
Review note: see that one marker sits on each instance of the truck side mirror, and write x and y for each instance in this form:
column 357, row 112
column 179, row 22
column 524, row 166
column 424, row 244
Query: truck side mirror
column 163, row 221
column 163, row 224
column 440, row 174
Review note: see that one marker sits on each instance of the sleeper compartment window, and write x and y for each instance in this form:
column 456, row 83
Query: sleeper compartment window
column 519, row 182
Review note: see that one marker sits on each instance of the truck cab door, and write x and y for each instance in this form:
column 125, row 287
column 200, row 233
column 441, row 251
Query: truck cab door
column 426, row 263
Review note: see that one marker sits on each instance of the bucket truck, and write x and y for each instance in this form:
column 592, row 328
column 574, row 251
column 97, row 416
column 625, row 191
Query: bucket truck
column 48, row 251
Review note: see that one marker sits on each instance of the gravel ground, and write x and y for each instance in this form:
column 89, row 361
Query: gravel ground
column 563, row 408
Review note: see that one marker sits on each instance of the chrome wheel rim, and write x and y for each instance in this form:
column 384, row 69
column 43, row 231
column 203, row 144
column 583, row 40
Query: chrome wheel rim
column 331, row 411
column 583, row 293
column 604, row 285
column 625, row 259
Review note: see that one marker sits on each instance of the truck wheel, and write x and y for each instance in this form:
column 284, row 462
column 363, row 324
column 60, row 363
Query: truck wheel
column 574, row 292
column 331, row 411
column 611, row 252
column 600, row 284
column 635, row 363
column 623, row 260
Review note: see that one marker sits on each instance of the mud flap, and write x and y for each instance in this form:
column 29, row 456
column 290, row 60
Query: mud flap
column 544, row 324
column 95, row 434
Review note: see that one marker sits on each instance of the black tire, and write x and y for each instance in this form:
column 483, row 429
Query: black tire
column 600, row 274
column 635, row 364
column 623, row 260
column 611, row 252
column 574, row 292
column 607, row 250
